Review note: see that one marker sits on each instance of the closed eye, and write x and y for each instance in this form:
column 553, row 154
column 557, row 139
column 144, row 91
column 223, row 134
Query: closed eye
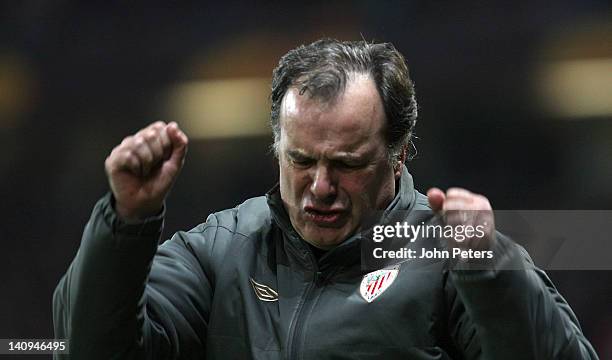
column 299, row 160
column 302, row 162
column 349, row 165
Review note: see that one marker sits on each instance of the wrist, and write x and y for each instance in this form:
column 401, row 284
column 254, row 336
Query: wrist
column 136, row 214
column 122, row 228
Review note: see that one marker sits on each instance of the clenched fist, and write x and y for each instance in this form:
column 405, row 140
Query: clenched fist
column 142, row 169
column 462, row 207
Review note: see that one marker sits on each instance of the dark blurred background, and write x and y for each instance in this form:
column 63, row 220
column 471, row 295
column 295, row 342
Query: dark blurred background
column 515, row 103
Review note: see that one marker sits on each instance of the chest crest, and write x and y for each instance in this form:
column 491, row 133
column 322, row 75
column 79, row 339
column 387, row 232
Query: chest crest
column 375, row 283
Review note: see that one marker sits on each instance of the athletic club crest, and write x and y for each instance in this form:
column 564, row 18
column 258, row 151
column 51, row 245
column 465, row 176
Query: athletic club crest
column 376, row 282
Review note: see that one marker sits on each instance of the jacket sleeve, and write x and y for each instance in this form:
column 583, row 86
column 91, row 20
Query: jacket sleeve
column 499, row 313
column 123, row 297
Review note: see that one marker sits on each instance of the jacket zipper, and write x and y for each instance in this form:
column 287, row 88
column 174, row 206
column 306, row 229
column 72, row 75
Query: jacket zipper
column 296, row 330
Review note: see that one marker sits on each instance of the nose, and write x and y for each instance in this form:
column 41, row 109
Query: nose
column 323, row 186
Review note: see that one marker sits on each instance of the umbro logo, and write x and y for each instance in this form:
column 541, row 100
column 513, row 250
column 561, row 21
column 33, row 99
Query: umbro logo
column 263, row 292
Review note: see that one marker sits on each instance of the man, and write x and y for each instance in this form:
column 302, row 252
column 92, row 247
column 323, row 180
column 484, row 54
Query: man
column 280, row 276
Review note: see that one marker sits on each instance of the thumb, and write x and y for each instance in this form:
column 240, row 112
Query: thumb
column 179, row 144
column 436, row 199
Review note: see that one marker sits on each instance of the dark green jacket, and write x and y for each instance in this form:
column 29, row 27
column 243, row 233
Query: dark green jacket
column 244, row 285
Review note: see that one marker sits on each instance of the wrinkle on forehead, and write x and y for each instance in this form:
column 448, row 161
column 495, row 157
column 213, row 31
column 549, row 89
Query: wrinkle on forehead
column 356, row 115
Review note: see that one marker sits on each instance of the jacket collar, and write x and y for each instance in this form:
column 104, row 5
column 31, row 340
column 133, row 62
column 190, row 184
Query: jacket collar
column 403, row 200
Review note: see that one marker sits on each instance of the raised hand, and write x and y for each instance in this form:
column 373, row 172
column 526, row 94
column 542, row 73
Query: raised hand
column 142, row 169
column 462, row 207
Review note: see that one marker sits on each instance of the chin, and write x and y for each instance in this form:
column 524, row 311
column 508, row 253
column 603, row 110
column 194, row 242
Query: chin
column 325, row 238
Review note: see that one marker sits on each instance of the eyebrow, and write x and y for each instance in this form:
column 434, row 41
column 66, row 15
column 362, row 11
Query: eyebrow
column 296, row 154
column 343, row 156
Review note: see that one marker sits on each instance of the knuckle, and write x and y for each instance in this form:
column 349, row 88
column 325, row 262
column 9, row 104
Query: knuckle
column 482, row 202
column 114, row 151
column 126, row 140
column 129, row 156
column 150, row 134
column 457, row 191
column 114, row 161
column 142, row 155
column 138, row 140
column 133, row 163
column 482, row 198
column 147, row 156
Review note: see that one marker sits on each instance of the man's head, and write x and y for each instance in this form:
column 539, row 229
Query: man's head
column 342, row 117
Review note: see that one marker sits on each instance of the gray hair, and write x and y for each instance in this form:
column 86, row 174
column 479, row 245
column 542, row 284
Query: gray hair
column 321, row 69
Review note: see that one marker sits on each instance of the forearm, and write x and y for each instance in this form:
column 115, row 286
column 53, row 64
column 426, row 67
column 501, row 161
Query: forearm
column 98, row 304
column 518, row 314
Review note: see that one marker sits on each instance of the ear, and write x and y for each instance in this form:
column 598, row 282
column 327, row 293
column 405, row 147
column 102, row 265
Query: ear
column 397, row 167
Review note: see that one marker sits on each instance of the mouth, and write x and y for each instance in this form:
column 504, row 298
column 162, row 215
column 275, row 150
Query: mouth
column 323, row 217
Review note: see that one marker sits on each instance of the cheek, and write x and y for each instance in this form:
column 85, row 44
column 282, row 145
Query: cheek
column 357, row 187
column 367, row 189
column 292, row 181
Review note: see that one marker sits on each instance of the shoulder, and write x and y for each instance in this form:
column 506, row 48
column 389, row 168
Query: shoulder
column 245, row 221
column 222, row 232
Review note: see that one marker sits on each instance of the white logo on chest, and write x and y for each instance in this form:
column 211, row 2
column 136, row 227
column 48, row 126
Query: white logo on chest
column 376, row 282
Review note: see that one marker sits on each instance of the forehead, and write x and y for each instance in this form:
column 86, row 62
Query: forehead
column 355, row 118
